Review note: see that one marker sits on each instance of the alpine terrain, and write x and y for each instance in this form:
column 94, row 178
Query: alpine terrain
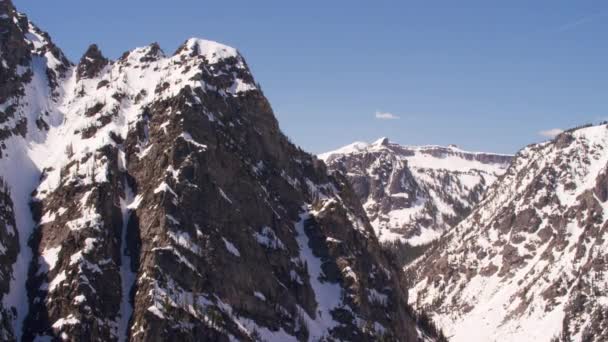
column 154, row 198
column 529, row 263
column 414, row 193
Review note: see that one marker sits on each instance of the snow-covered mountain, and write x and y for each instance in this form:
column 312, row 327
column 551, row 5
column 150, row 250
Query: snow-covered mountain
column 530, row 262
column 154, row 198
column 414, row 193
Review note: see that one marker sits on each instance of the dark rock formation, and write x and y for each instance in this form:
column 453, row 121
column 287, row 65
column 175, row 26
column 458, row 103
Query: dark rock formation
column 91, row 63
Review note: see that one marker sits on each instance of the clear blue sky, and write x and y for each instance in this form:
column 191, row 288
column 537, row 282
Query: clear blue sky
column 485, row 75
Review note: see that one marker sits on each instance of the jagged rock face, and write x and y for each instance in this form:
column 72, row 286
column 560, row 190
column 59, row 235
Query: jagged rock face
column 529, row 262
column 414, row 193
column 166, row 204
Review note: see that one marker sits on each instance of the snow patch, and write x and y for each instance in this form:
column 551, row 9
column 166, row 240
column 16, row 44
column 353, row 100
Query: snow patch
column 231, row 248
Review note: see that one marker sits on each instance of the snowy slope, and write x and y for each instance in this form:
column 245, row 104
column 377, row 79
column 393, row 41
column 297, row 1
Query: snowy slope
column 528, row 264
column 413, row 193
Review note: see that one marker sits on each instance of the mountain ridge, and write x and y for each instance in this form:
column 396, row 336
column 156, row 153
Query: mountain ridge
column 360, row 146
column 414, row 193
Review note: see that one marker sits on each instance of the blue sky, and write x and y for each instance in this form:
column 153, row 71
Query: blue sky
column 485, row 75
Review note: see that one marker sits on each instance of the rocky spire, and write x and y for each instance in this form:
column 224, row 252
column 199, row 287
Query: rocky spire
column 91, row 63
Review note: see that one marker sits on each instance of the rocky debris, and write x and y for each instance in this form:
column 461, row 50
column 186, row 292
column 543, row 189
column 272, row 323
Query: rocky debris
column 534, row 249
column 413, row 194
column 171, row 207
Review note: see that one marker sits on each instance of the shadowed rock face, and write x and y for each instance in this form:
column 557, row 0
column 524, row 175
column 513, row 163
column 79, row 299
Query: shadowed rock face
column 535, row 247
column 414, row 193
column 9, row 248
column 168, row 205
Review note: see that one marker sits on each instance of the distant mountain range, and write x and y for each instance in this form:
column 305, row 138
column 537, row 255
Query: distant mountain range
column 415, row 193
column 519, row 244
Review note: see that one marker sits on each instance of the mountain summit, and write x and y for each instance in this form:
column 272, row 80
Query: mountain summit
column 414, row 193
column 154, row 198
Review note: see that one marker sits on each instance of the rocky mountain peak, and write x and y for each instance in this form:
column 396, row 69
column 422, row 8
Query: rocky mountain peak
column 381, row 142
column 213, row 52
column 91, row 63
column 155, row 198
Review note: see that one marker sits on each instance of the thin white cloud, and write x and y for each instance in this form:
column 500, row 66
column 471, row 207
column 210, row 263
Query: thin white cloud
column 578, row 22
column 574, row 24
column 386, row 116
column 551, row 133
